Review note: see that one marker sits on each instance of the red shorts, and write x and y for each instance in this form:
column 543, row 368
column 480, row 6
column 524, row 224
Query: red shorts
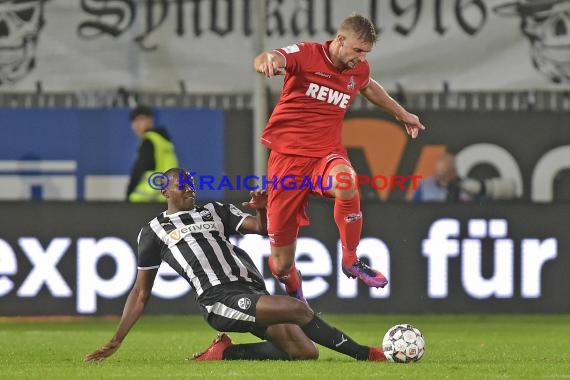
column 290, row 180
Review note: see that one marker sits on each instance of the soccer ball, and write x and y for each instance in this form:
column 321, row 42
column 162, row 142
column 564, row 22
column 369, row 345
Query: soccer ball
column 403, row 344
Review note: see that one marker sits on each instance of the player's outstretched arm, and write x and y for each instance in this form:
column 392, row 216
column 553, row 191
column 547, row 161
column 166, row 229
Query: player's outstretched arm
column 377, row 95
column 134, row 307
column 269, row 64
column 257, row 224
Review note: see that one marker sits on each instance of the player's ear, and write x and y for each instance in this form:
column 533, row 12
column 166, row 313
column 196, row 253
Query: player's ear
column 164, row 194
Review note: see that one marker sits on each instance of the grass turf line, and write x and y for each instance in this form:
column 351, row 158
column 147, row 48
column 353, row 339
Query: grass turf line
column 458, row 347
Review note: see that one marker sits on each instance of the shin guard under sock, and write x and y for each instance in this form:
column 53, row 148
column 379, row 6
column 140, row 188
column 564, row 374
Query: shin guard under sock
column 322, row 333
column 348, row 218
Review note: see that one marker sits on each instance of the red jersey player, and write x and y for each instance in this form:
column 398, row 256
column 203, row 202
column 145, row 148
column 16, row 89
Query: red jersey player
column 304, row 136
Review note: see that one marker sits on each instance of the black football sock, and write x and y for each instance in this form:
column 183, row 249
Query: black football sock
column 322, row 333
column 255, row 351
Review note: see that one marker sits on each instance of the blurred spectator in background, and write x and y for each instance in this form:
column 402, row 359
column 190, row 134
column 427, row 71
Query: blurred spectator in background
column 444, row 185
column 155, row 154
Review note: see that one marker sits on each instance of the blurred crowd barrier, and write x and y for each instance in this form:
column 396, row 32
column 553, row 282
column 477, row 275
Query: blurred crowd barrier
column 531, row 100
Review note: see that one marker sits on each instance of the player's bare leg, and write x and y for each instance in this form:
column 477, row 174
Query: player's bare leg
column 272, row 310
column 284, row 341
column 282, row 265
column 348, row 218
column 292, row 340
column 292, row 329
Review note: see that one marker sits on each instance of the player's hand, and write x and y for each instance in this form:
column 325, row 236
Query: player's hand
column 258, row 200
column 103, row 353
column 269, row 66
column 412, row 124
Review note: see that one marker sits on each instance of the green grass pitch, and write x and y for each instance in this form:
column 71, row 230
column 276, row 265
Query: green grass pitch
column 458, row 347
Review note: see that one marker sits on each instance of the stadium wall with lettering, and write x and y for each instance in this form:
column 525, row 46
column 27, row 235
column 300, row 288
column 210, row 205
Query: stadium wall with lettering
column 87, row 154
column 80, row 258
column 471, row 45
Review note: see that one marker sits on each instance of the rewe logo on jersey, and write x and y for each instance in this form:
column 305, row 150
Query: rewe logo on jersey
column 328, row 95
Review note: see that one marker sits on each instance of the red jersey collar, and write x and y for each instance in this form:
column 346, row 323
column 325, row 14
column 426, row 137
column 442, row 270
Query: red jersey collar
column 325, row 46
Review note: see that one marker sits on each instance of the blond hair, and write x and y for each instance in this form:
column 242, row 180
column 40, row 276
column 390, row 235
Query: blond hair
column 361, row 26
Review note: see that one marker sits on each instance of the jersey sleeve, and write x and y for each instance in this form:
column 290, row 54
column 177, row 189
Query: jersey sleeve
column 149, row 249
column 231, row 216
column 294, row 55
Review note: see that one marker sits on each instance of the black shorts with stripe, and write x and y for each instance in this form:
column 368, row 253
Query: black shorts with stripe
column 232, row 308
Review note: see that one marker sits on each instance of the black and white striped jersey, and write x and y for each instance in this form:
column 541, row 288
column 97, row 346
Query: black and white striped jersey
column 195, row 244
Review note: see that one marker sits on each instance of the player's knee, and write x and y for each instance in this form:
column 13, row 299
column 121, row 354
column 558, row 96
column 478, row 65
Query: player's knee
column 312, row 352
column 309, row 351
column 346, row 189
column 281, row 268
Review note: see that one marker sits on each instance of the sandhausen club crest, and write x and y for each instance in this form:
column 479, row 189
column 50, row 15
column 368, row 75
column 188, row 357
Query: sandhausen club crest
column 244, row 303
column 206, row 216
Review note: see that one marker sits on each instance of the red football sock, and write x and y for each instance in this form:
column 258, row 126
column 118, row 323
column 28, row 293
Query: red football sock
column 348, row 219
column 291, row 280
column 376, row 354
